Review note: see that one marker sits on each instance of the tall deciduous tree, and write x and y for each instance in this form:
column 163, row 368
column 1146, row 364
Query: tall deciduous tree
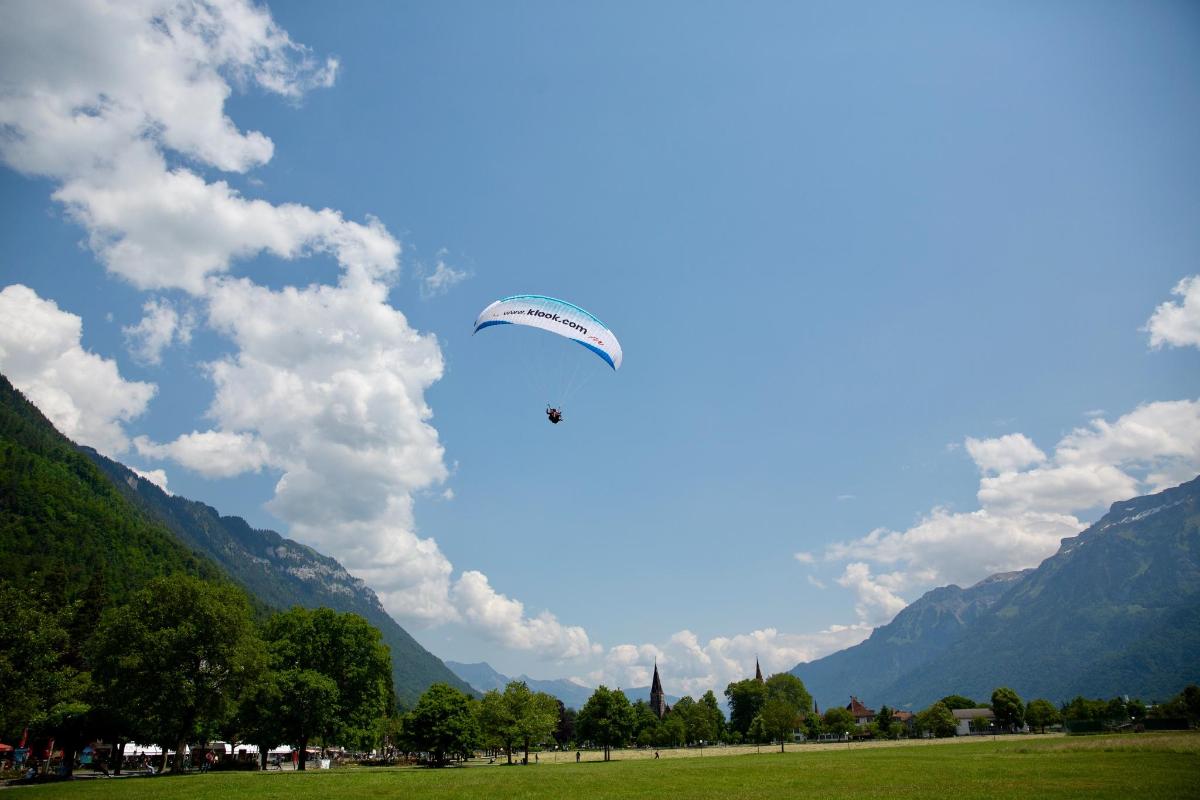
column 335, row 674
column 779, row 718
column 177, row 656
column 606, row 719
column 496, row 723
column 1008, row 708
column 746, row 699
column 938, row 719
column 715, row 715
column 790, row 689
column 32, row 678
column 442, row 724
column 536, row 714
column 838, row 720
column 1040, row 713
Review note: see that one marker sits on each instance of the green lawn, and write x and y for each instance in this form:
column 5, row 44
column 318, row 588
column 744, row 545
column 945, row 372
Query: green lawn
column 1144, row 766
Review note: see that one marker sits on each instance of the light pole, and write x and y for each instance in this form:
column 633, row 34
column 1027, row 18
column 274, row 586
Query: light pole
column 847, row 740
column 992, row 728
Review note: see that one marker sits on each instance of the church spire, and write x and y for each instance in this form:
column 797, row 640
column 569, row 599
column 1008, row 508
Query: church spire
column 757, row 671
column 658, row 702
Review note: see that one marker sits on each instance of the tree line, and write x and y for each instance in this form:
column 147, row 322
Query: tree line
column 447, row 723
column 185, row 661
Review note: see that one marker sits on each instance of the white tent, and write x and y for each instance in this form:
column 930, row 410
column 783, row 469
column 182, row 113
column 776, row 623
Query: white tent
column 134, row 749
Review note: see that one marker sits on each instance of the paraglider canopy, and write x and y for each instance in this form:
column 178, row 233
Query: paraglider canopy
column 556, row 316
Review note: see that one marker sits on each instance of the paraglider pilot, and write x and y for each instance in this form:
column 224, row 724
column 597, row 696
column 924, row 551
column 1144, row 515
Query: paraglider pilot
column 554, row 414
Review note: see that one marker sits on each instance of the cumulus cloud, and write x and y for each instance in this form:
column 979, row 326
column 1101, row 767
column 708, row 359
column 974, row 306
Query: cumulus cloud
column 1028, row 503
column 504, row 620
column 214, row 454
column 1177, row 323
column 695, row 666
column 122, row 106
column 1004, row 454
column 877, row 601
column 82, row 393
column 160, row 325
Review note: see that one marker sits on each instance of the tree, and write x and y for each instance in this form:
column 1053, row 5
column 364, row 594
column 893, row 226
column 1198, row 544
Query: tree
column 886, row 726
column 497, row 726
column 757, row 730
column 606, row 719
column 779, row 719
column 698, row 720
column 534, row 713
column 348, row 652
column 442, row 724
column 746, row 699
column 564, row 733
column 671, row 731
column 1136, row 709
column 813, row 726
column 1008, row 708
column 956, row 702
column 178, row 656
column 33, row 679
column 1040, row 713
column 643, row 721
column 787, row 687
column 1083, row 708
column 839, row 720
column 716, row 717
column 938, row 720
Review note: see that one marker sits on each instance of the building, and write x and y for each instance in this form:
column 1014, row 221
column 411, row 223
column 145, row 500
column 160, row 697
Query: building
column 658, row 701
column 963, row 718
column 863, row 716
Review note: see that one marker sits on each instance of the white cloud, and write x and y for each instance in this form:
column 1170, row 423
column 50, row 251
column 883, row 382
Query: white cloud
column 156, row 476
column 1178, row 323
column 443, row 278
column 690, row 666
column 123, row 107
column 1004, row 454
column 504, row 620
column 159, row 327
column 214, row 454
column 804, row 557
column 82, row 393
column 1029, row 502
column 877, row 602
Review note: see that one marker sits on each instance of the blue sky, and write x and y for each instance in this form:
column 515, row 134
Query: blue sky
column 894, row 285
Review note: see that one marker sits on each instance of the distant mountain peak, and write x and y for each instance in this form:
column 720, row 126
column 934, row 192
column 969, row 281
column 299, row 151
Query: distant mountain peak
column 1116, row 610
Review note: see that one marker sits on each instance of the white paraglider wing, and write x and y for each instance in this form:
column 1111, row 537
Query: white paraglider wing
column 555, row 316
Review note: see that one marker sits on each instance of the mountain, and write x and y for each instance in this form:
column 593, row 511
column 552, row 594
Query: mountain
column 484, row 679
column 280, row 572
column 1115, row 611
column 66, row 533
column 919, row 633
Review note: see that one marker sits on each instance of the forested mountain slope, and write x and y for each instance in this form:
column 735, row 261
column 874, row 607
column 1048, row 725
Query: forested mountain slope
column 282, row 573
column 66, row 532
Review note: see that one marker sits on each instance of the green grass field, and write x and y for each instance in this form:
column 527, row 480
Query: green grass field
column 1143, row 766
